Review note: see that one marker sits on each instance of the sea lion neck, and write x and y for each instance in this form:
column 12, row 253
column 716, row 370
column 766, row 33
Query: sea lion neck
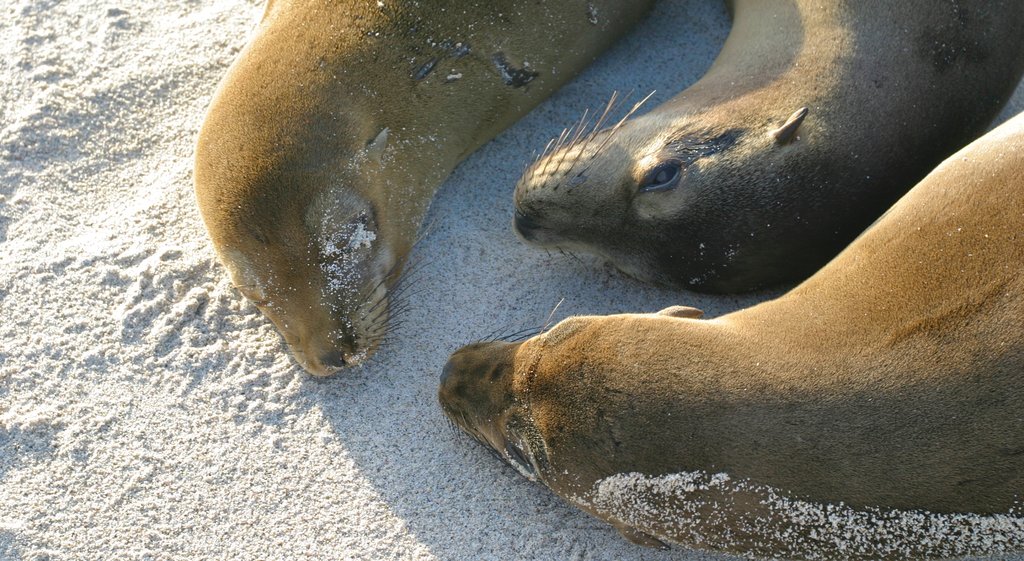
column 803, row 43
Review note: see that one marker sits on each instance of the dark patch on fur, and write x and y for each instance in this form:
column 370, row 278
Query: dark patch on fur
column 425, row 69
column 946, row 45
column 688, row 149
column 510, row 75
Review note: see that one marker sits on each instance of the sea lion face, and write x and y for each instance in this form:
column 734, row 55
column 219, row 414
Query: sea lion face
column 482, row 392
column 520, row 400
column 645, row 195
column 321, row 276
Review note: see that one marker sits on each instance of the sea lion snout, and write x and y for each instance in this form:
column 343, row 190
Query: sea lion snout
column 525, row 226
column 478, row 394
column 333, row 359
column 476, row 388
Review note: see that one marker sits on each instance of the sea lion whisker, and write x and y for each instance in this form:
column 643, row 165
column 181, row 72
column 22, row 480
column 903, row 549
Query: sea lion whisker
column 373, row 289
column 414, row 269
column 618, row 126
column 381, row 314
column 490, row 336
column 522, row 334
column 410, row 291
column 552, row 314
column 403, row 284
column 582, row 126
column 425, row 232
column 526, row 335
column 398, row 310
column 561, row 138
column 545, row 151
column 501, row 336
column 582, row 144
column 380, row 300
column 608, row 109
column 415, row 266
column 575, row 257
column 394, row 311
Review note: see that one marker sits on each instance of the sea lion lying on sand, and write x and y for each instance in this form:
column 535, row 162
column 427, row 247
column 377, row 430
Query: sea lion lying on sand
column 875, row 411
column 814, row 119
column 331, row 132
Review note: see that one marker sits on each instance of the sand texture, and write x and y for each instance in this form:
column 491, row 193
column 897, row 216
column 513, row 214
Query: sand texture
column 148, row 412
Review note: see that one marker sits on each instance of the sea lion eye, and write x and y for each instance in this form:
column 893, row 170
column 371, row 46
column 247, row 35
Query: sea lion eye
column 662, row 177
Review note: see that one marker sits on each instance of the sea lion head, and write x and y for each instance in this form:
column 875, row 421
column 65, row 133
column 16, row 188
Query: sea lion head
column 533, row 402
column 301, row 238
column 655, row 195
column 481, row 393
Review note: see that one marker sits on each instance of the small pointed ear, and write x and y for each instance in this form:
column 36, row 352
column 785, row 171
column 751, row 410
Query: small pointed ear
column 787, row 132
column 681, row 312
column 375, row 149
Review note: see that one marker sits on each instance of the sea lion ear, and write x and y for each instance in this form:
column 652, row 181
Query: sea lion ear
column 787, row 132
column 375, row 149
column 681, row 312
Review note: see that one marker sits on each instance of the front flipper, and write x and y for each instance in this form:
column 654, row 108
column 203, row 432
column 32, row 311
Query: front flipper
column 639, row 538
column 681, row 312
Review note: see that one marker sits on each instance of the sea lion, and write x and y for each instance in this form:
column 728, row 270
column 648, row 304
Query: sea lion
column 329, row 135
column 861, row 415
column 814, row 118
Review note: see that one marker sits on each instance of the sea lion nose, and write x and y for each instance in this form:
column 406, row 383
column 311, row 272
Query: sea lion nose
column 333, row 359
column 525, row 225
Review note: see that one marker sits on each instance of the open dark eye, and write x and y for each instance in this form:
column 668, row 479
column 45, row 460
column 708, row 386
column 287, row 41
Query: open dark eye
column 662, row 177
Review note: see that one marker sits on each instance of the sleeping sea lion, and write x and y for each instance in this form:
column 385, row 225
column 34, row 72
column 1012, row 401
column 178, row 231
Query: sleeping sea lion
column 814, row 119
column 876, row 411
column 331, row 132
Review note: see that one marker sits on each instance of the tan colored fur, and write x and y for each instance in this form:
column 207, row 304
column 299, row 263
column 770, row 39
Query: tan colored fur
column 893, row 380
column 284, row 160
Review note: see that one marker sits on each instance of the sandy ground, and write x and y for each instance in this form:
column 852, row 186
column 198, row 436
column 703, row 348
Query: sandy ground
column 147, row 412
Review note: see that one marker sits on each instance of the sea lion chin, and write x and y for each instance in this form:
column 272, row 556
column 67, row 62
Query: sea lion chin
column 328, row 137
column 872, row 412
column 814, row 119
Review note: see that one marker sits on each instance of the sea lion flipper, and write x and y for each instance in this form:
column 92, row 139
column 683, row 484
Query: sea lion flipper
column 639, row 538
column 787, row 132
column 682, row 312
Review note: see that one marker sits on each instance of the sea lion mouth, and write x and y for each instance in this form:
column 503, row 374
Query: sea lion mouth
column 511, row 453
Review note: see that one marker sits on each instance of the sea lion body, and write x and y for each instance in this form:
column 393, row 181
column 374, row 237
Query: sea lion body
column 331, row 132
column 711, row 191
column 876, row 411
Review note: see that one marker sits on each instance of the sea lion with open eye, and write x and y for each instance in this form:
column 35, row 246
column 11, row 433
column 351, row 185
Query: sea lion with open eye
column 814, row 118
column 331, row 132
column 875, row 411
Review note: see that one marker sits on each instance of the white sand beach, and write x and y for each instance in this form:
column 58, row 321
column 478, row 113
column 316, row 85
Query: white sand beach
column 148, row 412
